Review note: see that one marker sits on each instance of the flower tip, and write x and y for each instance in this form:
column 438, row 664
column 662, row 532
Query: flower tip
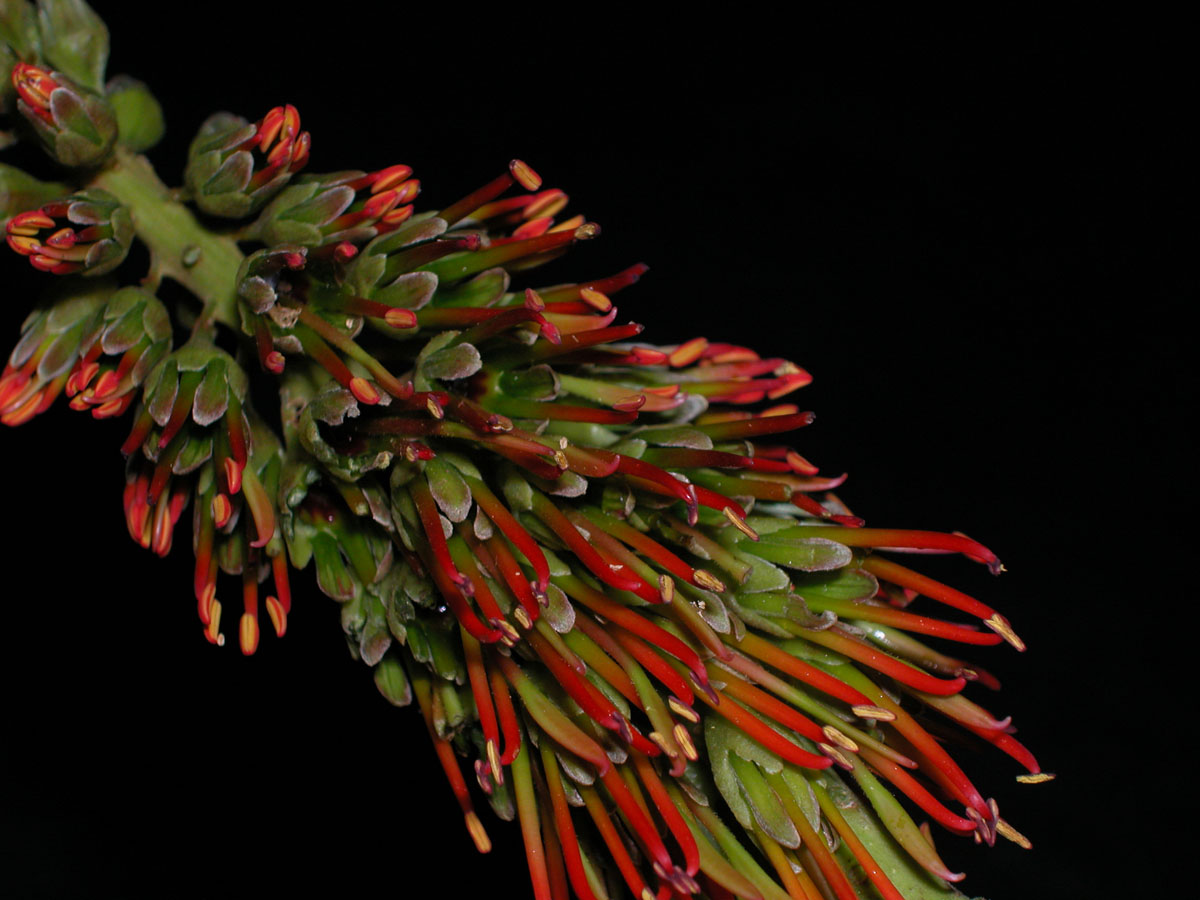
column 1000, row 625
column 398, row 317
column 212, row 631
column 534, row 301
column 688, row 352
column 475, row 828
column 222, row 509
column 524, row 175
column 248, row 634
column 595, row 299
column 1007, row 831
column 278, row 616
column 739, row 523
column 363, row 391
column 233, row 475
column 630, row 404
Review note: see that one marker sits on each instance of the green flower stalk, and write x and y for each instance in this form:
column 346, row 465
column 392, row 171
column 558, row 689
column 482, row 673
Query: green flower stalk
column 634, row 617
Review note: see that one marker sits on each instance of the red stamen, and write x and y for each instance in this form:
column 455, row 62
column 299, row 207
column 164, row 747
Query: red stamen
column 507, row 714
column 511, row 529
column 915, row 791
column 772, row 655
column 757, row 426
column 935, row 590
column 859, row 651
column 621, row 579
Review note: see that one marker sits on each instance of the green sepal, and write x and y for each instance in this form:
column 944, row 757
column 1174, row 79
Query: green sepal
column 844, row 584
column 538, row 382
column 334, row 576
column 783, row 605
column 912, row 881
column 140, row 122
column 675, row 436
column 765, row 806
column 451, row 709
column 411, row 290
column 725, row 741
column 764, row 575
column 449, row 490
column 559, row 611
column 485, row 289
column 353, row 614
column 196, row 451
column 446, row 650
column 299, row 211
column 442, row 359
column 812, row 554
column 19, row 30
column 375, row 637
column 74, row 40
column 392, row 681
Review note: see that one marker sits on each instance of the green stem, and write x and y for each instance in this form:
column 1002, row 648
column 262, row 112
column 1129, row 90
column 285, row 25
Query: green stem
column 184, row 250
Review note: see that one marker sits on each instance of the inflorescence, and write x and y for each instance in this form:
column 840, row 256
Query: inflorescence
column 662, row 642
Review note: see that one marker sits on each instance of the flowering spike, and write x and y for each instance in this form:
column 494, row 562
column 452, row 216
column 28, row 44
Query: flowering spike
column 581, row 553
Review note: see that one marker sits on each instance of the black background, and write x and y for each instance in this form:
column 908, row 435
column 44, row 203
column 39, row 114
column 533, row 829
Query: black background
column 967, row 232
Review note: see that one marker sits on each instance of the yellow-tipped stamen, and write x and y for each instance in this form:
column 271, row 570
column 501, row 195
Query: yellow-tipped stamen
column 277, row 615
column 1000, row 625
column 837, row 756
column 878, row 713
column 524, row 174
column 363, row 391
column 709, row 581
column 739, row 523
column 248, row 634
column 1036, row 778
column 1006, row 830
column 213, row 631
column 687, row 353
column 685, row 742
column 663, row 744
column 836, row 737
column 595, row 299
column 475, row 828
column 682, row 709
column 493, row 756
column 666, row 588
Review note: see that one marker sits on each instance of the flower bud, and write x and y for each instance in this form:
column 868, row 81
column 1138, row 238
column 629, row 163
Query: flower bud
column 134, row 331
column 235, row 167
column 75, row 126
column 87, row 233
column 139, row 117
column 343, row 206
column 52, row 341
